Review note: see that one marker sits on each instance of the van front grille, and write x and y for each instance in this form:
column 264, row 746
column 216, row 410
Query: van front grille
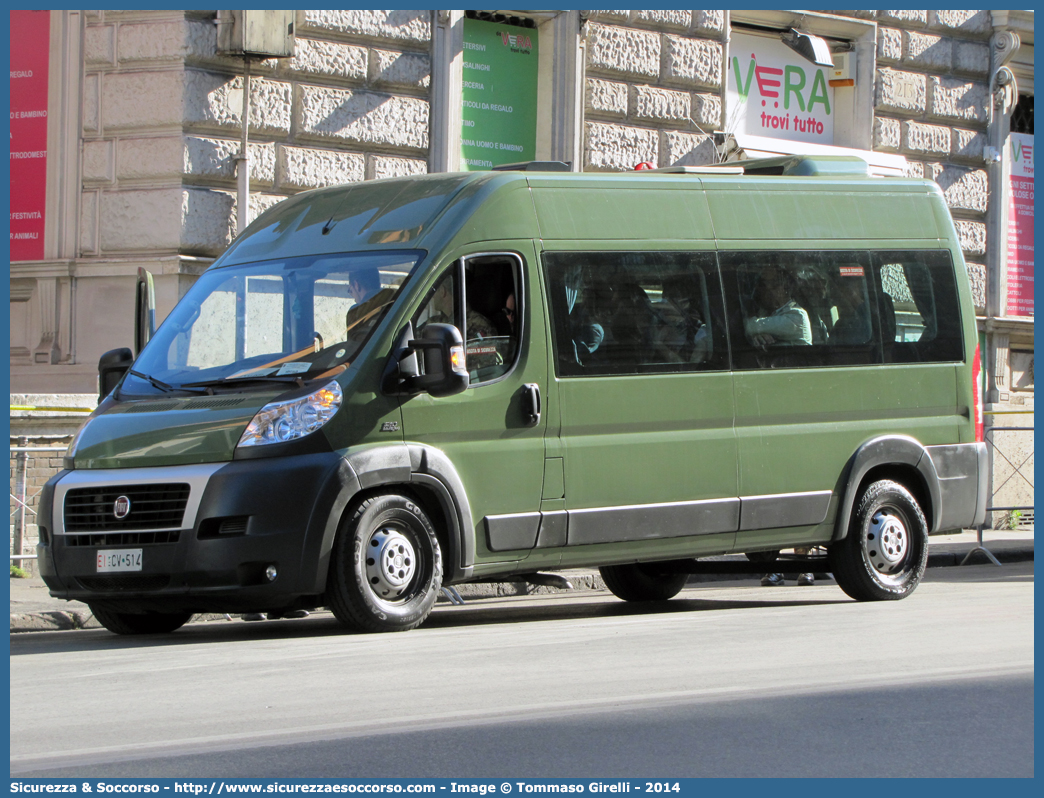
column 150, row 507
column 123, row 538
column 136, row 582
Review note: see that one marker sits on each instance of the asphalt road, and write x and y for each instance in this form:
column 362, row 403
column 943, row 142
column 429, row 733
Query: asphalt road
column 723, row 681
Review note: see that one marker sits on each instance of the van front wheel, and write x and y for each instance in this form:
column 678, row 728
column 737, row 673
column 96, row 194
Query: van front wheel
column 642, row 582
column 885, row 552
column 386, row 566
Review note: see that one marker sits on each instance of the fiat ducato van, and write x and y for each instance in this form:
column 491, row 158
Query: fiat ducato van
column 394, row 386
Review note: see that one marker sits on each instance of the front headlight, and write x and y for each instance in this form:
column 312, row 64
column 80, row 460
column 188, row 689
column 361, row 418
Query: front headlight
column 279, row 422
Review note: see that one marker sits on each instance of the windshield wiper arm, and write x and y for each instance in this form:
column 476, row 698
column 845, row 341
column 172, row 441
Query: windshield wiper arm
column 238, row 380
column 165, row 387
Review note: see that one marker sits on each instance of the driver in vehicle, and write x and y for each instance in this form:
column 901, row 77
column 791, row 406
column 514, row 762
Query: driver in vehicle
column 365, row 288
column 479, row 327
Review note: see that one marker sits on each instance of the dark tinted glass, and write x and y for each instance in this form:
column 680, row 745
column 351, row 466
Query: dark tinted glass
column 809, row 309
column 635, row 312
column 918, row 306
column 493, row 307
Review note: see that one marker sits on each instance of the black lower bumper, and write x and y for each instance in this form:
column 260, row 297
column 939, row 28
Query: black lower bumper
column 254, row 516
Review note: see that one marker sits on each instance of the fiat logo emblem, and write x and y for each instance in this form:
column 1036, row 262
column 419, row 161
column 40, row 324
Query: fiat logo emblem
column 122, row 507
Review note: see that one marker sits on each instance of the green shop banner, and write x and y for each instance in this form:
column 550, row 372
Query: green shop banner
column 500, row 95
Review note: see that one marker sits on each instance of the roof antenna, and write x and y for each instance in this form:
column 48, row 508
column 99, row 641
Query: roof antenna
column 328, row 226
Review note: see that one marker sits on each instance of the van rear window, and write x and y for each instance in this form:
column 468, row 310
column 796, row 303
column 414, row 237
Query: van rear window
column 807, row 309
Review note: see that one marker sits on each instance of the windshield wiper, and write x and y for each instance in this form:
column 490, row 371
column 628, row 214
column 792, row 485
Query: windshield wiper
column 165, row 387
column 287, row 378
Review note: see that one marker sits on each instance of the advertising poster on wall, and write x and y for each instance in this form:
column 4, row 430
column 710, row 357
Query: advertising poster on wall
column 499, row 94
column 30, row 50
column 772, row 91
column 1020, row 226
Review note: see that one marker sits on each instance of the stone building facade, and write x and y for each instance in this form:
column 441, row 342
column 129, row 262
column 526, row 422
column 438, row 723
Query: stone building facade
column 146, row 122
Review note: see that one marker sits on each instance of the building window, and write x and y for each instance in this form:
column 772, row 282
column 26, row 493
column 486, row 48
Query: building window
column 1022, row 116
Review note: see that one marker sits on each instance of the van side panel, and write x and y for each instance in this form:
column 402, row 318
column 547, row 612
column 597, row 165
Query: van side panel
column 635, row 216
column 797, row 430
column 818, row 210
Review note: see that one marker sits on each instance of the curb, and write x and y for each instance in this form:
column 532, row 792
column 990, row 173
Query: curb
column 582, row 580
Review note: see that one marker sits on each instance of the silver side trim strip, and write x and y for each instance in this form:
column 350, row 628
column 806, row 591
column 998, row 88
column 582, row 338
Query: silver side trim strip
column 196, row 476
column 631, row 522
column 773, row 511
column 652, row 521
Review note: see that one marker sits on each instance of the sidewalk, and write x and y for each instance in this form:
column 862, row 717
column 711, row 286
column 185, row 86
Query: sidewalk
column 33, row 609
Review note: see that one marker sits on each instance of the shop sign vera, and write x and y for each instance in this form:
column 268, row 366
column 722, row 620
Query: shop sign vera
column 772, row 91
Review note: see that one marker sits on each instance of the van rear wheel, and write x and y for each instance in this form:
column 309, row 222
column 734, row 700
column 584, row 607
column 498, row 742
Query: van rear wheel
column 386, row 566
column 130, row 623
column 642, row 582
column 884, row 555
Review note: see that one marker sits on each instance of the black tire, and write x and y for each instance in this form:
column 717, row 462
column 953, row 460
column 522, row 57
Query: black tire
column 883, row 556
column 386, row 566
column 641, row 582
column 762, row 556
column 149, row 623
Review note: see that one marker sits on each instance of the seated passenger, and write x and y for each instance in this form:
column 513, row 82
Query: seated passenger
column 637, row 329
column 812, row 296
column 587, row 334
column 684, row 330
column 787, row 324
column 853, row 310
column 505, row 317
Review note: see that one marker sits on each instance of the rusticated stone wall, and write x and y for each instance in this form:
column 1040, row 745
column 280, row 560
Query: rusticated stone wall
column 162, row 119
column 654, row 87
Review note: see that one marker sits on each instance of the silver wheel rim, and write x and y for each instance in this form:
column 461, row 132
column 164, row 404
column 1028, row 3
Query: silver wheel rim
column 391, row 562
column 887, row 541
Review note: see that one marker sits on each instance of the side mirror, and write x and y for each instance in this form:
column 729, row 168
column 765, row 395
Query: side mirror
column 111, row 368
column 442, row 353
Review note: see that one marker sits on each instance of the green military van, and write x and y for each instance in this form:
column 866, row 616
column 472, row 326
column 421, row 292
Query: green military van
column 390, row 387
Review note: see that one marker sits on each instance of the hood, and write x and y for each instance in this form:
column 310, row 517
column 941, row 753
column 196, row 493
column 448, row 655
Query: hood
column 165, row 431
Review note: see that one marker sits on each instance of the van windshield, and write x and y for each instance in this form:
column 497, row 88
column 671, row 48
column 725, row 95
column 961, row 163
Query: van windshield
column 269, row 322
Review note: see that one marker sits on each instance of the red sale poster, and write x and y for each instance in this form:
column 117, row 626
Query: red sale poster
column 1020, row 227
column 30, row 50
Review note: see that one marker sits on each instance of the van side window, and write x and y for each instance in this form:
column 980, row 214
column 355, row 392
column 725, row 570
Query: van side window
column 918, row 306
column 635, row 312
column 838, row 308
column 493, row 311
column 782, row 308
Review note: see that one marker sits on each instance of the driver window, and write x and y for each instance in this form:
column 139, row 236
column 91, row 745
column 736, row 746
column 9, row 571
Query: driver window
column 492, row 311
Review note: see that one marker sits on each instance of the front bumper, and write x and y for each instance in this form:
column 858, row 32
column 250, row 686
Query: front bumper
column 240, row 518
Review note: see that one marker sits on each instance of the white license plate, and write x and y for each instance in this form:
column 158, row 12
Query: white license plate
column 119, row 560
